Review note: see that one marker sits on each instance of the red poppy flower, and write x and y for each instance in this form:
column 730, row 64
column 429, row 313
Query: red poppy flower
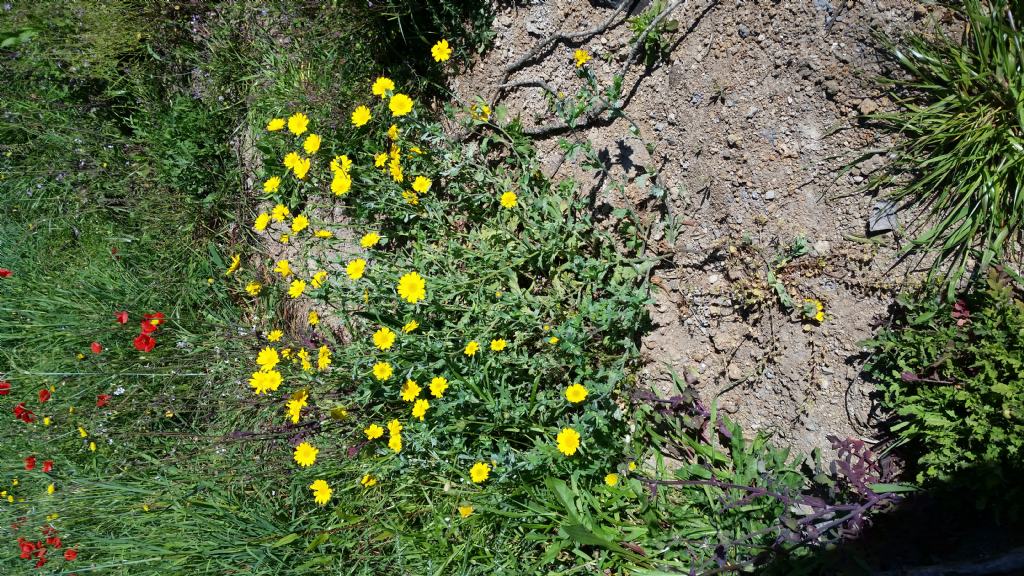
column 23, row 414
column 27, row 548
column 5, row 273
column 96, row 347
column 5, row 388
column 156, row 318
column 44, row 396
column 54, row 541
column 48, row 530
column 47, row 465
column 144, row 342
column 70, row 554
column 121, row 317
column 102, row 400
column 30, row 463
column 42, row 562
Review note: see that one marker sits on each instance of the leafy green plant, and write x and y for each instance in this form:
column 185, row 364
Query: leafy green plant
column 951, row 375
column 960, row 158
column 655, row 44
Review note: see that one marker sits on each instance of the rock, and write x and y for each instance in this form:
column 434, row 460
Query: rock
column 733, row 140
column 734, row 373
column 660, row 126
column 728, row 406
column 769, row 195
column 883, row 217
column 743, row 31
column 822, row 247
column 725, row 342
column 832, row 89
column 753, row 111
column 714, row 278
column 867, row 106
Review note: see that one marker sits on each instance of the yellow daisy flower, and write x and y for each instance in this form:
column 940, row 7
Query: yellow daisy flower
column 400, row 105
column 479, row 472
column 441, row 51
column 297, row 123
column 568, row 441
column 576, row 393
column 381, row 86
column 412, row 287
column 360, row 116
column 305, row 454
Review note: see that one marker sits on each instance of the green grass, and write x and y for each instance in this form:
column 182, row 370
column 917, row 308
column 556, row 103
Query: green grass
column 961, row 119
column 135, row 173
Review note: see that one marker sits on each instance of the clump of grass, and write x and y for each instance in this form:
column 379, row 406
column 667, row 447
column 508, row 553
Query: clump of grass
column 961, row 159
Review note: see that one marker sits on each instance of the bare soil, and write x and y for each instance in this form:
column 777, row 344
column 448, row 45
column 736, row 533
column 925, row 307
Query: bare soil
column 746, row 126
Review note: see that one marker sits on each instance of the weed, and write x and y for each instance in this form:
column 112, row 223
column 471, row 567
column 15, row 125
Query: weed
column 959, row 159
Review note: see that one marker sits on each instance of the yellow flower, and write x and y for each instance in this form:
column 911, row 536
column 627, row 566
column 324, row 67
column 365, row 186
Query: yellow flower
column 279, row 213
column 51, row 488
column 261, row 222
column 295, row 405
column 509, row 199
column 82, row 433
column 437, row 386
column 253, row 288
column 373, row 432
column 465, row 511
column 581, row 57
column 441, row 51
column 291, row 159
column 471, row 348
column 498, row 345
column 369, row 480
column 341, row 183
column 236, row 261
column 412, row 287
column 321, row 492
column 341, row 163
column 480, row 112
column 46, row 420
column 380, row 160
column 272, row 184
column 400, row 105
column 419, row 409
column 301, row 168
column 394, row 427
column 318, row 279
column 285, row 238
column 410, row 390
column 410, row 326
column 360, row 116
column 611, row 479
column 356, row 268
column 311, row 144
column 304, row 357
column 284, row 269
column 305, row 454
column 381, row 86
column 479, row 472
column 568, row 441
column 553, row 340
column 415, row 150
column 323, row 234
column 275, row 124
column 421, row 184
column 323, row 358
column 393, row 132
column 300, row 223
column 369, row 240
column 297, row 123
column 383, row 338
column 411, row 198
column 395, row 167
column 395, row 442
column 382, row 370
column 313, row 318
column 297, row 288
column 265, row 381
column 576, row 393
column 267, row 359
